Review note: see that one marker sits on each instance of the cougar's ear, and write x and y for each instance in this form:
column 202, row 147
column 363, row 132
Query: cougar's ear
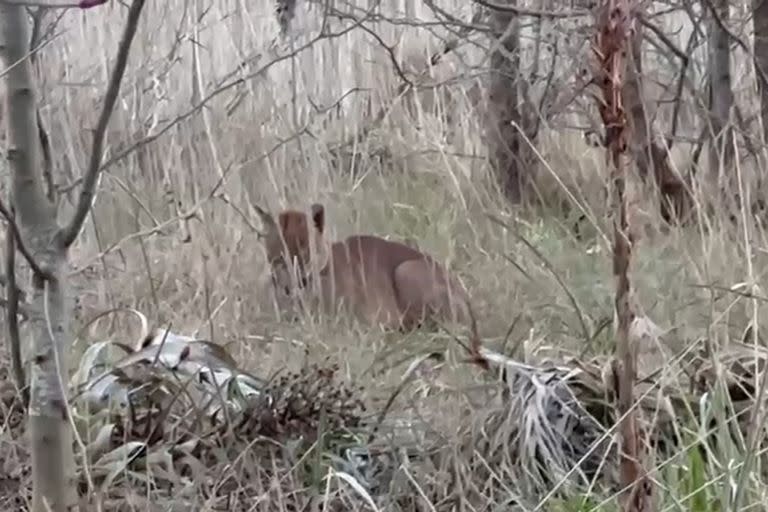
column 318, row 216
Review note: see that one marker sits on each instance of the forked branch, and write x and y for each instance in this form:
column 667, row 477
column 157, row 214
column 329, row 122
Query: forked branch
column 68, row 234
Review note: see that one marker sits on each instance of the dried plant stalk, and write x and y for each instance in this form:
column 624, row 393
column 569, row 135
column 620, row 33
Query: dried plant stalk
column 615, row 26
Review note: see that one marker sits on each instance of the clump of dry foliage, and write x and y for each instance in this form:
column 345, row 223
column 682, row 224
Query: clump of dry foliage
column 176, row 419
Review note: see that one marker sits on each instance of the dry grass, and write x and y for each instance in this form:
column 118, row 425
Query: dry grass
column 280, row 110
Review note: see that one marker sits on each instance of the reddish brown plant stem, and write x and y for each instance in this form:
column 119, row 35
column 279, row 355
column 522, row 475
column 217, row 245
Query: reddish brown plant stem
column 615, row 26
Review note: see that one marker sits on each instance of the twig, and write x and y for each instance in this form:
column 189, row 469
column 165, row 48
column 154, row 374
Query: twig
column 664, row 39
column 14, row 229
column 69, row 233
column 45, row 146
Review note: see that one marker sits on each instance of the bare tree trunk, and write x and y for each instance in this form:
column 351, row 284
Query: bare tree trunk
column 509, row 150
column 45, row 246
column 650, row 155
column 760, row 18
column 720, row 92
column 53, row 467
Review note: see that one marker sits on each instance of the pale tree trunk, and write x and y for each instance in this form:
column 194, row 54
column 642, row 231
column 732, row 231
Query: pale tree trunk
column 720, row 92
column 508, row 148
column 649, row 153
column 760, row 18
column 45, row 246
column 53, row 468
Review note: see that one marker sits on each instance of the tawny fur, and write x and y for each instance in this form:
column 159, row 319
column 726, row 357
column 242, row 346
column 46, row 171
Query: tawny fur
column 385, row 283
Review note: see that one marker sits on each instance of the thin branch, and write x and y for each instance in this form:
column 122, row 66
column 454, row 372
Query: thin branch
column 45, row 146
column 12, row 314
column 45, row 142
column 69, row 233
column 522, row 11
column 36, row 268
column 30, row 52
column 664, row 39
column 82, row 4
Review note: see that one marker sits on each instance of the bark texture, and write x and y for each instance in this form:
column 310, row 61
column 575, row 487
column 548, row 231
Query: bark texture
column 510, row 153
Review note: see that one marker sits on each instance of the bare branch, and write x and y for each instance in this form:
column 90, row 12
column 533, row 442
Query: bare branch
column 69, row 233
column 45, row 146
column 12, row 314
column 82, row 4
column 45, row 142
column 663, row 38
column 522, row 11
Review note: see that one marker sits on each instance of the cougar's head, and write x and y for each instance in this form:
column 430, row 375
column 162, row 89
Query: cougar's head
column 295, row 246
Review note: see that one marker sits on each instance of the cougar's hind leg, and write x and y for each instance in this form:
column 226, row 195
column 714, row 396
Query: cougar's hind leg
column 421, row 293
column 427, row 293
column 378, row 303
